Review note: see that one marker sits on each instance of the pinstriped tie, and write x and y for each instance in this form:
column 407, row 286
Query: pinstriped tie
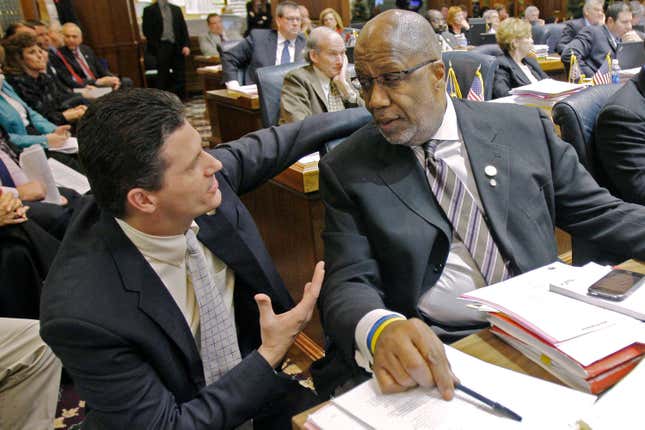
column 219, row 349
column 465, row 216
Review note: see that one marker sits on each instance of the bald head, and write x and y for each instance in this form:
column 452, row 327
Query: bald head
column 72, row 35
column 437, row 21
column 400, row 30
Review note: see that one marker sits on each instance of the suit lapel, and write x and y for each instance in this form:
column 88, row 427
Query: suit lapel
column 403, row 174
column 479, row 137
column 154, row 299
column 315, row 83
column 610, row 40
column 300, row 44
column 519, row 73
column 271, row 48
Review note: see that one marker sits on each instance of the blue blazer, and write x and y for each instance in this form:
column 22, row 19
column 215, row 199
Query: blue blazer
column 12, row 122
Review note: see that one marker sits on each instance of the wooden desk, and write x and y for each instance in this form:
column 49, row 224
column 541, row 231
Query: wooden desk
column 551, row 64
column 234, row 115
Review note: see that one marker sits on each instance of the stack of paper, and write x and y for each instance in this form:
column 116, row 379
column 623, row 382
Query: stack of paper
column 67, row 177
column 587, row 347
column 541, row 404
column 548, row 88
column 541, row 51
column 34, row 163
column 244, row 90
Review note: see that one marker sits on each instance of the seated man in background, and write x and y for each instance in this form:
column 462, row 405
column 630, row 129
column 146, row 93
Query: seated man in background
column 592, row 44
column 161, row 301
column 438, row 22
column 532, row 16
column 434, row 198
column 29, row 377
column 620, row 141
column 82, row 67
column 265, row 47
column 593, row 14
column 321, row 86
column 210, row 43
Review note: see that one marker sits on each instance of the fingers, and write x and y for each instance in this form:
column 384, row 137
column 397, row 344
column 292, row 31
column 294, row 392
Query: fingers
column 432, row 349
column 386, row 382
column 264, row 306
column 303, row 310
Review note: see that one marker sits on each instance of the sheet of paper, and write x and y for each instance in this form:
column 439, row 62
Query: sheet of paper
column 70, row 146
column 547, row 87
column 34, row 163
column 622, row 406
column 315, row 156
column 93, row 93
column 422, row 409
column 67, row 177
column 331, row 417
column 527, row 299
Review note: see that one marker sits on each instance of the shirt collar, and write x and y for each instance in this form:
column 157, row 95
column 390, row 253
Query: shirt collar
column 449, row 128
column 167, row 249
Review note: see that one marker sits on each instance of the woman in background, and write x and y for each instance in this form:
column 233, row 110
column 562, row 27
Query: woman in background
column 457, row 25
column 258, row 15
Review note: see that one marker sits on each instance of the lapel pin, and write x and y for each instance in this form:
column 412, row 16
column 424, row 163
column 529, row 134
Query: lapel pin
column 490, row 171
column 493, row 183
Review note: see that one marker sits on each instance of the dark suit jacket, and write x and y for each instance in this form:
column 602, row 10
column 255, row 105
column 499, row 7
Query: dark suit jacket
column 92, row 60
column 303, row 96
column 387, row 240
column 570, row 30
column 119, row 333
column 620, row 141
column 152, row 26
column 591, row 46
column 508, row 74
column 256, row 50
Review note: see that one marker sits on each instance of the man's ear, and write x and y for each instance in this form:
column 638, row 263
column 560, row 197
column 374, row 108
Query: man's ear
column 438, row 70
column 142, row 200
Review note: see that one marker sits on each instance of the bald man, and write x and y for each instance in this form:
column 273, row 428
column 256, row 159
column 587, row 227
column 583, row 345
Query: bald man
column 435, row 198
column 323, row 84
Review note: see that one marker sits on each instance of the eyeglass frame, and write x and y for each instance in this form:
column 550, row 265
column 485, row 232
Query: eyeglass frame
column 399, row 77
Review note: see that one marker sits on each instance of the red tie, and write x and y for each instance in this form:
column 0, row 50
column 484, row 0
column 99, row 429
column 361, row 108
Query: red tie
column 81, row 61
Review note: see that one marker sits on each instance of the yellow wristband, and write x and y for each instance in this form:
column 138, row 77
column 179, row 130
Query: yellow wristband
column 379, row 330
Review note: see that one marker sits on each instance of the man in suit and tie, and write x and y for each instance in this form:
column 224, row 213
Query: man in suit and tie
column 160, row 303
column 322, row 85
column 434, row 198
column 265, row 47
column 593, row 14
column 211, row 43
column 447, row 40
column 167, row 40
column 619, row 141
column 593, row 43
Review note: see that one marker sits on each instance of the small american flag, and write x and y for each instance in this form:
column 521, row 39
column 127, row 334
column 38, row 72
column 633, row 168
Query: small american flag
column 603, row 74
column 476, row 91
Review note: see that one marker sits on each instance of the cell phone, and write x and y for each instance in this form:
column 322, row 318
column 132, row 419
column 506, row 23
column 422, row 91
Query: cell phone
column 616, row 285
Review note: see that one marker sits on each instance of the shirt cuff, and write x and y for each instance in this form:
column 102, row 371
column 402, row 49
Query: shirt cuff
column 10, row 190
column 363, row 355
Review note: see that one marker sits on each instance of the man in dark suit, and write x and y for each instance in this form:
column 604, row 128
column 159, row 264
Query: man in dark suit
column 447, row 40
column 166, row 256
column 265, row 47
column 167, row 40
column 81, row 63
column 620, row 141
column 593, row 14
column 593, row 43
column 322, row 85
column 396, row 260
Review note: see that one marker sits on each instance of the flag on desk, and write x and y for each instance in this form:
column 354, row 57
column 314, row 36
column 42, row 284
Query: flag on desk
column 603, row 74
column 452, row 86
column 476, row 91
column 574, row 69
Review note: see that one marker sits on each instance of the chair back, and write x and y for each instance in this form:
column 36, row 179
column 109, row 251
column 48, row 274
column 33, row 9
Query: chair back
column 553, row 35
column 576, row 115
column 465, row 65
column 489, row 49
column 269, row 83
column 631, row 54
column 234, row 26
column 475, row 32
column 539, row 34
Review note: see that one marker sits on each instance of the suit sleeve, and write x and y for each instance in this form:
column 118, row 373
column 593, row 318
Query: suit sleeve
column 294, row 100
column 501, row 81
column 585, row 209
column 620, row 146
column 257, row 157
column 236, row 58
column 183, row 38
column 582, row 46
column 147, row 26
column 352, row 276
column 568, row 33
column 124, row 391
column 101, row 71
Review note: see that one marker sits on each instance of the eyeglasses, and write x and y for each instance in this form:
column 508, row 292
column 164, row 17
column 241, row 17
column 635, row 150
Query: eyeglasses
column 291, row 18
column 388, row 80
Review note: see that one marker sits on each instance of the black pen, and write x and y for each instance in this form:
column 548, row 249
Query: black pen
column 496, row 406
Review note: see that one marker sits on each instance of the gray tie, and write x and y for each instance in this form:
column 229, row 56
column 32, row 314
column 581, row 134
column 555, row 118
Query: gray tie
column 219, row 349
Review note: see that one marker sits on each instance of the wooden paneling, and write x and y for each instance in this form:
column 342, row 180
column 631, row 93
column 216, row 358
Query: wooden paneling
column 110, row 28
column 29, row 9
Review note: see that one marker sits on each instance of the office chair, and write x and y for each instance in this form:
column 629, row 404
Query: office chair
column 553, row 35
column 539, row 34
column 631, row 54
column 488, row 49
column 465, row 64
column 576, row 115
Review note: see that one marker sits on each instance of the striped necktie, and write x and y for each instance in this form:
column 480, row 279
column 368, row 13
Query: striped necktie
column 285, row 58
column 466, row 217
column 81, row 61
column 220, row 351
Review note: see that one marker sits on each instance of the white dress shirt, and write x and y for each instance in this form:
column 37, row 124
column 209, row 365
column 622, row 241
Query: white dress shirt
column 527, row 72
column 280, row 46
column 17, row 175
column 460, row 273
column 167, row 257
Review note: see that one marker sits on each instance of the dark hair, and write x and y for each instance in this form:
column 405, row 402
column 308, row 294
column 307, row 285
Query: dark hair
column 14, row 27
column 279, row 10
column 614, row 9
column 13, row 47
column 211, row 15
column 120, row 139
